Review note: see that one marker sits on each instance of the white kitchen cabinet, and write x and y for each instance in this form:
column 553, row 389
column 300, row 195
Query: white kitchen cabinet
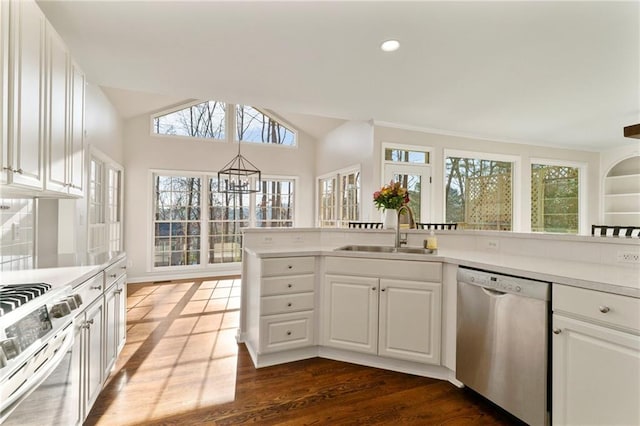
column 115, row 313
column 93, row 349
column 23, row 154
column 410, row 320
column 283, row 304
column 384, row 307
column 351, row 313
column 42, row 110
column 596, row 358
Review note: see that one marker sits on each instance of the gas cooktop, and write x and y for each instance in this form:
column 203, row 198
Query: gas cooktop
column 13, row 296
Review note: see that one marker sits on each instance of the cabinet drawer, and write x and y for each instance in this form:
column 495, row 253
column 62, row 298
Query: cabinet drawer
column 286, row 331
column 287, row 284
column 90, row 290
column 286, row 303
column 115, row 271
column 383, row 268
column 288, row 266
column 621, row 311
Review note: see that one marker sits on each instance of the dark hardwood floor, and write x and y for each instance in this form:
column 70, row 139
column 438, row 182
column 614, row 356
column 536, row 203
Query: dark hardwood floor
column 181, row 365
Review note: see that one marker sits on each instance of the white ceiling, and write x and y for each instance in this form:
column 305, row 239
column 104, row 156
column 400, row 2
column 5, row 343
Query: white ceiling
column 563, row 73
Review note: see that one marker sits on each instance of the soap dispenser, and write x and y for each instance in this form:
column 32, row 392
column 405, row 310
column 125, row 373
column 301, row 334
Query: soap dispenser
column 432, row 241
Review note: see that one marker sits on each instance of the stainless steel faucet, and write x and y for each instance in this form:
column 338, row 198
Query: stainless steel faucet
column 399, row 242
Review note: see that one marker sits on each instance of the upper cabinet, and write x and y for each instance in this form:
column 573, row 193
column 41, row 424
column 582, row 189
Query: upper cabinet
column 42, row 107
column 622, row 193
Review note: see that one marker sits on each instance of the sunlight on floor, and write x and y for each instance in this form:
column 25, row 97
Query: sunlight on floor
column 181, row 335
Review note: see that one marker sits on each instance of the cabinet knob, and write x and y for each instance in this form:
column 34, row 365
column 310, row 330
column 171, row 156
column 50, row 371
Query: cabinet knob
column 96, row 287
column 123, row 267
column 604, row 309
column 557, row 331
column 118, row 291
column 289, row 285
column 19, row 171
column 288, row 333
column 289, row 304
column 289, row 267
column 373, row 288
column 113, row 275
column 383, row 289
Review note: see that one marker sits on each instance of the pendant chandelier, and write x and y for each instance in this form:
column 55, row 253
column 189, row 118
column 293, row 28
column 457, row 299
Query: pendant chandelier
column 236, row 176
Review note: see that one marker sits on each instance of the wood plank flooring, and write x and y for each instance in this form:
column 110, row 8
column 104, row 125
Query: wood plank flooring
column 181, row 365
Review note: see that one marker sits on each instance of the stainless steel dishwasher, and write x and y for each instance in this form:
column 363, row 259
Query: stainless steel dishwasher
column 502, row 341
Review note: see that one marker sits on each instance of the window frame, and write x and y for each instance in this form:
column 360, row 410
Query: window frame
column 583, row 225
column 204, row 218
column 230, row 125
column 516, row 182
column 337, row 175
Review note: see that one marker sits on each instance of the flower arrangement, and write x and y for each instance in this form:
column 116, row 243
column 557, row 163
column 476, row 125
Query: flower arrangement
column 392, row 196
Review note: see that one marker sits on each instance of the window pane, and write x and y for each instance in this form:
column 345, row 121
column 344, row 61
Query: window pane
column 554, row 199
column 350, row 198
column 327, row 202
column 205, row 120
column 406, row 156
column 478, row 193
column 274, row 204
column 254, row 126
column 413, row 183
column 229, row 213
column 176, row 220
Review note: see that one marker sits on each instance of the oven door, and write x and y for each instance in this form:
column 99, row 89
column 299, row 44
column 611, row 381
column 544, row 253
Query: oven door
column 56, row 399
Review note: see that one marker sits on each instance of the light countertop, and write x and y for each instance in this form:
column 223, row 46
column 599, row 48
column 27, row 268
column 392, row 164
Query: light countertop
column 621, row 280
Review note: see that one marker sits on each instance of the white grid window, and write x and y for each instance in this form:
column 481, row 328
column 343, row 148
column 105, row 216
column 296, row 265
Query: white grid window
column 274, row 204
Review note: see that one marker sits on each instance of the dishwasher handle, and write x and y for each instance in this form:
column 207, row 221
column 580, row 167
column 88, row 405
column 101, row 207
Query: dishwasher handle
column 493, row 293
column 505, row 284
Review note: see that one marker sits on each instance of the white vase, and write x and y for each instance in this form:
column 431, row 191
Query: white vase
column 390, row 219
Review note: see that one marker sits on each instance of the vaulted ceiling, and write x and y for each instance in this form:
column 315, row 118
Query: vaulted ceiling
column 563, row 73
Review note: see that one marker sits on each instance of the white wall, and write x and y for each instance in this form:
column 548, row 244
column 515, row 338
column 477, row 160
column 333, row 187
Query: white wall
column 526, row 152
column 145, row 152
column 348, row 145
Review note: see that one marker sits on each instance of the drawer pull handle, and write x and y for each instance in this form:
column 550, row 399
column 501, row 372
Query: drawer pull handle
column 113, row 275
column 289, row 304
column 289, row 267
column 123, row 267
column 118, row 291
column 96, row 287
column 289, row 285
column 288, row 333
column 604, row 309
column 557, row 331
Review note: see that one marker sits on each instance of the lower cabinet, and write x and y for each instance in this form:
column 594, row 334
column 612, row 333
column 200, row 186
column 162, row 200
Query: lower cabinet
column 115, row 322
column 91, row 337
column 596, row 358
column 380, row 315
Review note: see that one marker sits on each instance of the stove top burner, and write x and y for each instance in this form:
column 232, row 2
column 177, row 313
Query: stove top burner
column 13, row 296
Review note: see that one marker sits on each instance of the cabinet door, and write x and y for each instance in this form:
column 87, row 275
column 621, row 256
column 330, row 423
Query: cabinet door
column 410, row 320
column 27, row 108
column 596, row 374
column 351, row 313
column 94, row 352
column 121, row 308
column 111, row 317
column 57, row 108
column 76, row 137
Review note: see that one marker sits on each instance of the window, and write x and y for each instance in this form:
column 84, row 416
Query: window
column 104, row 204
column 350, row 197
column 229, row 213
column 195, row 225
column 255, row 126
column 339, row 198
column 274, row 204
column 399, row 155
column 479, row 193
column 177, row 213
column 554, row 198
column 203, row 120
column 328, row 200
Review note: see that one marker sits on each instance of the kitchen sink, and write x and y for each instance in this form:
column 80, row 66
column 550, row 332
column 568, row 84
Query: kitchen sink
column 386, row 249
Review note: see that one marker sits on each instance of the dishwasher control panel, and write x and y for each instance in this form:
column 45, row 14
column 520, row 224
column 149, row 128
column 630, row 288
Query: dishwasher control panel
column 504, row 283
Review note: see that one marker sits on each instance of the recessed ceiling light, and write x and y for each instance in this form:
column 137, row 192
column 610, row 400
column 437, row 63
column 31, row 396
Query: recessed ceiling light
column 390, row 45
